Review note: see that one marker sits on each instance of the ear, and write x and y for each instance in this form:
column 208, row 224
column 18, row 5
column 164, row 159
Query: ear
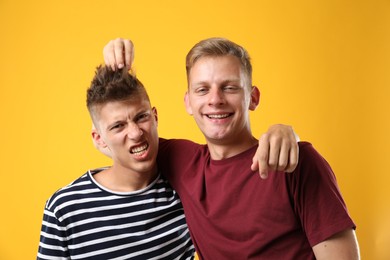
column 187, row 103
column 97, row 139
column 154, row 111
column 255, row 98
column 99, row 142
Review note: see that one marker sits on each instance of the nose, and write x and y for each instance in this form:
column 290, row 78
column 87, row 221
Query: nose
column 216, row 96
column 134, row 132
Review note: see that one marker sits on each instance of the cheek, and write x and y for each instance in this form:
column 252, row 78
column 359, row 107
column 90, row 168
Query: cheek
column 241, row 102
column 118, row 139
column 247, row 102
column 152, row 131
column 155, row 134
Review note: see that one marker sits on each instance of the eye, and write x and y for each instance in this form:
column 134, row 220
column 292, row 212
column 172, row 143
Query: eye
column 201, row 90
column 143, row 117
column 231, row 88
column 116, row 126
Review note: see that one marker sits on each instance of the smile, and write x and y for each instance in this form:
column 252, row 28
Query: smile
column 218, row 116
column 138, row 150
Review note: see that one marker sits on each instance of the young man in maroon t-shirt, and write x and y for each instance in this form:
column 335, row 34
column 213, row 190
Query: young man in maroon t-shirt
column 231, row 213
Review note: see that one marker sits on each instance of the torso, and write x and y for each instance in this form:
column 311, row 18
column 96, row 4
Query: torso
column 231, row 212
column 100, row 224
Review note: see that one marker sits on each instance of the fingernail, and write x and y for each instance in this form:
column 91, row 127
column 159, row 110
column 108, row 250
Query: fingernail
column 120, row 65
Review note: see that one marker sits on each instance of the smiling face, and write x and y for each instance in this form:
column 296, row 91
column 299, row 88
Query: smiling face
column 129, row 130
column 219, row 97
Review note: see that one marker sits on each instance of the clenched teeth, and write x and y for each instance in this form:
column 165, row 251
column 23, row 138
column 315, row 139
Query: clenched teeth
column 139, row 150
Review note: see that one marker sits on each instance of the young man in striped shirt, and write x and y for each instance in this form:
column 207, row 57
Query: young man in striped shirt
column 127, row 210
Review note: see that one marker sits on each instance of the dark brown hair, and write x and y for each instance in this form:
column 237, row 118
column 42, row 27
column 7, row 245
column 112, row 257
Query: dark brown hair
column 112, row 85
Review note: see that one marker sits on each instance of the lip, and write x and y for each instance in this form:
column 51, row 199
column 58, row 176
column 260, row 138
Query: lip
column 139, row 150
column 218, row 116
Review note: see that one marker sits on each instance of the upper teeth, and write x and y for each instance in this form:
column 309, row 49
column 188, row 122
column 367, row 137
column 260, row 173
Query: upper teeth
column 218, row 116
column 139, row 149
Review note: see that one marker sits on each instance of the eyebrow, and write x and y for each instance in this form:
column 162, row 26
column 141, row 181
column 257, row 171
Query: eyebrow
column 109, row 126
column 143, row 111
column 226, row 81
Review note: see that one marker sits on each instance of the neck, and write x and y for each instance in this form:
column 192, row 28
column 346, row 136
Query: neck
column 122, row 180
column 221, row 150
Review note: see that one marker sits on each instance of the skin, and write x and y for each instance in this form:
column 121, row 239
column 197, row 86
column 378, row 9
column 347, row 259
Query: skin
column 128, row 129
column 278, row 148
column 220, row 100
column 341, row 246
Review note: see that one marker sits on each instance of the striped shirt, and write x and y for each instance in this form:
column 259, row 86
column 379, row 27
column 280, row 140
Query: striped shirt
column 86, row 221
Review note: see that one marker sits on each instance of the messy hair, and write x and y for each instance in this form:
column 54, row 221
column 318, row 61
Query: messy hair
column 112, row 85
column 214, row 47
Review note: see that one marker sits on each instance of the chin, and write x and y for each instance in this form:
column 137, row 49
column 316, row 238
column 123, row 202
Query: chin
column 218, row 135
column 215, row 138
column 148, row 168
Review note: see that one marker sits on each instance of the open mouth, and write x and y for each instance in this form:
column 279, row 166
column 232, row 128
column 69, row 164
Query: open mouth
column 219, row 116
column 138, row 150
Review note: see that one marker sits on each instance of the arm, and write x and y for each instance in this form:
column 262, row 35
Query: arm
column 277, row 151
column 53, row 241
column 321, row 208
column 278, row 148
column 341, row 246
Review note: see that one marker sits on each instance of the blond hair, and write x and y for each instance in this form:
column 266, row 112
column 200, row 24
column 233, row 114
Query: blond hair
column 214, row 47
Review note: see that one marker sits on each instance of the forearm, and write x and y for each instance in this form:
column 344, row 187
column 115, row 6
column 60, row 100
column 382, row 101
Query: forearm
column 343, row 245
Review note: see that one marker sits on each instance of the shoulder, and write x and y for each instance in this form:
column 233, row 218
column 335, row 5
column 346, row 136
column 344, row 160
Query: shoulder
column 177, row 142
column 179, row 147
column 312, row 166
column 309, row 155
column 305, row 148
column 67, row 192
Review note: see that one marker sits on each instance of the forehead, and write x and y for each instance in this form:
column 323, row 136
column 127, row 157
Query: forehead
column 114, row 110
column 207, row 68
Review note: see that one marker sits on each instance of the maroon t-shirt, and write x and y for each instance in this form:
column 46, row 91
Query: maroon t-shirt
column 233, row 214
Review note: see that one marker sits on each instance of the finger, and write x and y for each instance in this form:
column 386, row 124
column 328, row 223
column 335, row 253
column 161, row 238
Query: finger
column 284, row 154
column 262, row 155
column 128, row 53
column 108, row 54
column 274, row 152
column 118, row 53
column 263, row 171
column 255, row 163
column 294, row 155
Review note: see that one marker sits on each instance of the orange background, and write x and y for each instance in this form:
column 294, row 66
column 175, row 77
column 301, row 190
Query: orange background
column 321, row 66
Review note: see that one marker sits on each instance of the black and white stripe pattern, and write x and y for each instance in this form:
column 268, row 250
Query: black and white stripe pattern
column 85, row 221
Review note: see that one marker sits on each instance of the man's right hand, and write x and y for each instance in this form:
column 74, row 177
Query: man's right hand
column 119, row 53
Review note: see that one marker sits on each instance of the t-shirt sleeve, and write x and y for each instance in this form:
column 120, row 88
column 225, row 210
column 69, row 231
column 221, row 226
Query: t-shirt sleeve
column 317, row 198
column 53, row 239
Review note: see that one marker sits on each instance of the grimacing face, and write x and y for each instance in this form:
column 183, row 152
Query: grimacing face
column 129, row 130
column 219, row 98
